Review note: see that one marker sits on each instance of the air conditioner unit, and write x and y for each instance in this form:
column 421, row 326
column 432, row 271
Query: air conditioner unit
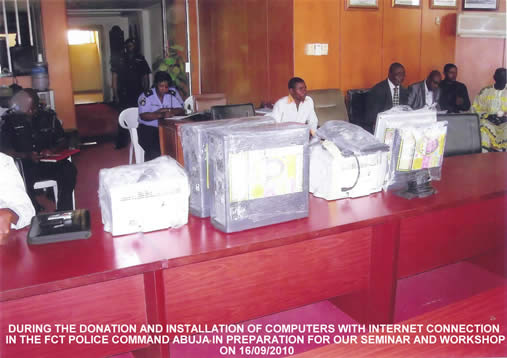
column 480, row 24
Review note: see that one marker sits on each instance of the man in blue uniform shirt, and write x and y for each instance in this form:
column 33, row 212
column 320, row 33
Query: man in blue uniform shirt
column 161, row 101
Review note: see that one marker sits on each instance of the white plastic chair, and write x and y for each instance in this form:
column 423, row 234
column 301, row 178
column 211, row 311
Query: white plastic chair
column 50, row 183
column 128, row 120
column 44, row 184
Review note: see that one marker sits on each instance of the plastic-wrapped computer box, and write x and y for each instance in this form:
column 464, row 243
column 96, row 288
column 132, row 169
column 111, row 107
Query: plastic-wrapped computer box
column 350, row 162
column 260, row 175
column 194, row 139
column 144, row 197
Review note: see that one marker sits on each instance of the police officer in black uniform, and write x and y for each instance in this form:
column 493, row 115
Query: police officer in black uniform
column 130, row 79
column 29, row 132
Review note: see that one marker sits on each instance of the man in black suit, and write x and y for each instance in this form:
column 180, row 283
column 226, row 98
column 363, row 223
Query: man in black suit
column 453, row 94
column 425, row 93
column 385, row 95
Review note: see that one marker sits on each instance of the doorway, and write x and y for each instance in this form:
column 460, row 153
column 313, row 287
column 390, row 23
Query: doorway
column 86, row 65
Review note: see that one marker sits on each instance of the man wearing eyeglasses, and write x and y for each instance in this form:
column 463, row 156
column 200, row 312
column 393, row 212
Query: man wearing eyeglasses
column 425, row 93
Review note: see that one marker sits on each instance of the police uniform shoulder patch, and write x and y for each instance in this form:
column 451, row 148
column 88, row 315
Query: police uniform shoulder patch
column 148, row 92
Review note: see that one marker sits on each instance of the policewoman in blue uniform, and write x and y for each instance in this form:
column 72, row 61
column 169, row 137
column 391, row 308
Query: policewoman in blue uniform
column 161, row 101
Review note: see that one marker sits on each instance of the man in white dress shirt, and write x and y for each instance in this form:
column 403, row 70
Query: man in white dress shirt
column 16, row 209
column 296, row 107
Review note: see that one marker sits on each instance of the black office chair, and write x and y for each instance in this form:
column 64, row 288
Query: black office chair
column 356, row 107
column 463, row 133
column 232, row 111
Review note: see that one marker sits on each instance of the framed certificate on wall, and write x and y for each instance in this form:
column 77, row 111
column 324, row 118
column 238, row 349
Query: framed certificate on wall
column 406, row 3
column 365, row 4
column 480, row 4
column 443, row 4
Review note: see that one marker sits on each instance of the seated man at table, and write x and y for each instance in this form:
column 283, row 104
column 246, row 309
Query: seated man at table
column 161, row 101
column 30, row 133
column 16, row 209
column 385, row 95
column 453, row 94
column 492, row 100
column 425, row 93
column 296, row 107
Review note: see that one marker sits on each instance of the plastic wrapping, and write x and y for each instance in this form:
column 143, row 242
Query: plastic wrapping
column 350, row 138
column 399, row 117
column 335, row 176
column 260, row 175
column 349, row 163
column 194, row 139
column 144, row 197
column 416, row 149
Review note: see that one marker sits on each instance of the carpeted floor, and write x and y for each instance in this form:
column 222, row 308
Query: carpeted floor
column 97, row 120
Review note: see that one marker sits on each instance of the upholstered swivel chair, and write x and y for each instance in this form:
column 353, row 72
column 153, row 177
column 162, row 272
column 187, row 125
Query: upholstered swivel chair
column 329, row 105
column 463, row 133
column 232, row 111
column 356, row 107
column 203, row 102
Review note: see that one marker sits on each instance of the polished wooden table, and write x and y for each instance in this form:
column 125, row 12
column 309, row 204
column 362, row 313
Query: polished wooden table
column 351, row 250
column 169, row 136
column 486, row 308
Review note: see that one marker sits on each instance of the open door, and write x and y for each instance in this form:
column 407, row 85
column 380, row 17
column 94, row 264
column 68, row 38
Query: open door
column 86, row 65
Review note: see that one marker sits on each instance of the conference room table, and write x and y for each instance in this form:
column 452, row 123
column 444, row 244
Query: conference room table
column 353, row 251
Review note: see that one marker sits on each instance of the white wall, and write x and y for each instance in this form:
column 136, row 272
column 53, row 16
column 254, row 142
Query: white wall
column 154, row 28
column 107, row 23
column 146, row 39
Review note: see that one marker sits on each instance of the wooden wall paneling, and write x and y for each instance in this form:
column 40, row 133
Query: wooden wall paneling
column 280, row 47
column 233, row 51
column 257, row 66
column 120, row 301
column 207, row 24
column 438, row 41
column 317, row 22
column 246, row 48
column 361, row 48
column 284, row 278
column 402, row 40
column 194, row 46
column 177, row 23
column 177, row 27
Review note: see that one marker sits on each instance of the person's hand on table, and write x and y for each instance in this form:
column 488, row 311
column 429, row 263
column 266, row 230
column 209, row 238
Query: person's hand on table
column 7, row 217
column 166, row 112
